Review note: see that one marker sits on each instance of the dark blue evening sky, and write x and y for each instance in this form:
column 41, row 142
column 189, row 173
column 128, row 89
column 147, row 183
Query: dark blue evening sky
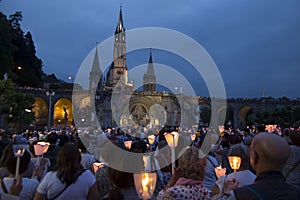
column 255, row 44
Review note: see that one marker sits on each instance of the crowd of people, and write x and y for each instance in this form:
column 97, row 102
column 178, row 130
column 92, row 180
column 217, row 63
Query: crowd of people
column 82, row 164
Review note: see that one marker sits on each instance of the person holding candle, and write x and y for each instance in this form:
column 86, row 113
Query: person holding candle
column 29, row 184
column 87, row 159
column 187, row 181
column 69, row 180
column 268, row 154
column 243, row 175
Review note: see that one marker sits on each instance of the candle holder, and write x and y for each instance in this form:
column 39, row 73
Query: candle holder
column 19, row 150
column 151, row 140
column 97, row 166
column 172, row 140
column 145, row 184
column 235, row 162
column 39, row 149
column 128, row 144
column 193, row 138
column 220, row 171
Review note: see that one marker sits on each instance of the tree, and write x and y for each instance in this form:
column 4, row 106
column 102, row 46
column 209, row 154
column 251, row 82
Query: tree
column 17, row 53
column 13, row 105
column 7, row 48
column 285, row 116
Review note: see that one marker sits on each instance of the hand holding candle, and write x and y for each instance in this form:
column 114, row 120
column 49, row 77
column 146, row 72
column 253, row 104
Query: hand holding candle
column 220, row 171
column 19, row 150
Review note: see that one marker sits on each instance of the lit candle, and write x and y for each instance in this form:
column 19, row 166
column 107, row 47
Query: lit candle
column 151, row 139
column 145, row 182
column 19, row 152
column 235, row 162
column 97, row 165
column 128, row 144
column 193, row 137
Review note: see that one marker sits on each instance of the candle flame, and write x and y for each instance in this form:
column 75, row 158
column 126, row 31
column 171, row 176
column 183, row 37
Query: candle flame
column 235, row 162
column 145, row 181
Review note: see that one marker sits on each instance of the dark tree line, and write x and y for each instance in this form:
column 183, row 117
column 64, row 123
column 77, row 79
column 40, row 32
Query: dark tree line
column 285, row 116
column 18, row 57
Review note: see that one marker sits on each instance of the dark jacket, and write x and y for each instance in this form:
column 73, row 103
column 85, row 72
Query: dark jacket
column 268, row 185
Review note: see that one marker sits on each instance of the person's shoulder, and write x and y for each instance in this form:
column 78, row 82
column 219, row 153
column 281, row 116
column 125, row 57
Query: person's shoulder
column 87, row 172
column 30, row 181
column 50, row 174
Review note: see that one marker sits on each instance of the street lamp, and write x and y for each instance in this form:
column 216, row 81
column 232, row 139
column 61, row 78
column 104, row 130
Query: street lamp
column 50, row 94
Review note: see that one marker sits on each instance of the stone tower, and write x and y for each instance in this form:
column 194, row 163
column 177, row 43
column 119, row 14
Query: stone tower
column 149, row 79
column 118, row 69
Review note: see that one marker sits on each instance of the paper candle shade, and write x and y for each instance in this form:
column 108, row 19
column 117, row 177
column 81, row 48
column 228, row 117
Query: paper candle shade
column 193, row 137
column 97, row 165
column 151, row 139
column 128, row 144
column 235, row 162
column 40, row 148
column 172, row 138
column 145, row 184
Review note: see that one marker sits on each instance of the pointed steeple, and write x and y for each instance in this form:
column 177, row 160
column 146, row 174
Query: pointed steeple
column 95, row 73
column 96, row 65
column 149, row 79
column 150, row 70
column 120, row 27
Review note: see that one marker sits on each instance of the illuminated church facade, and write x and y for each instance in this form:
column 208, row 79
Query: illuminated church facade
column 116, row 100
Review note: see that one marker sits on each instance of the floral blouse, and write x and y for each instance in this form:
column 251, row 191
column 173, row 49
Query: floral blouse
column 194, row 191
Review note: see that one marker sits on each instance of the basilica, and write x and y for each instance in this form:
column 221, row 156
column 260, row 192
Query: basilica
column 118, row 103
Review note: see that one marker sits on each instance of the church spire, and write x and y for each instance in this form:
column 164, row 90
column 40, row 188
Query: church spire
column 149, row 76
column 95, row 72
column 150, row 70
column 96, row 65
column 120, row 27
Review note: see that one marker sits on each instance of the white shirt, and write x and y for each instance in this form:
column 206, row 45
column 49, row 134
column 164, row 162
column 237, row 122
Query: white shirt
column 51, row 186
column 87, row 160
column 29, row 187
column 244, row 177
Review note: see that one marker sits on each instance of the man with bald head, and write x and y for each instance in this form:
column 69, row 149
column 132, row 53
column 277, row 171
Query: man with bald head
column 268, row 154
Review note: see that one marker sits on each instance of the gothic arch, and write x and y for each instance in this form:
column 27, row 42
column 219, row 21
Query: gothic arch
column 63, row 112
